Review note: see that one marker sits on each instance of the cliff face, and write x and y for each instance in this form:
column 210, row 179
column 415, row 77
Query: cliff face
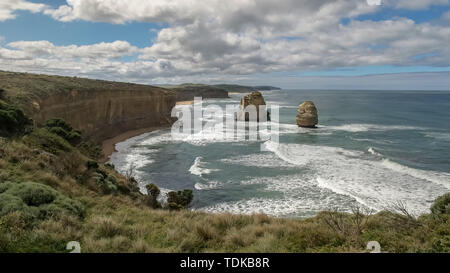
column 104, row 114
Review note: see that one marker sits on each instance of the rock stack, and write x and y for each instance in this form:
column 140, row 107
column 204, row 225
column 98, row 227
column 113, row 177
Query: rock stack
column 256, row 99
column 307, row 115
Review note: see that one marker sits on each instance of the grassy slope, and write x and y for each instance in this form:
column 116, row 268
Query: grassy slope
column 121, row 222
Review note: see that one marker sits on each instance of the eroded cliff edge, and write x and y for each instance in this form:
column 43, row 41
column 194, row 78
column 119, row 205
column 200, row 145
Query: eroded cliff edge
column 104, row 114
column 100, row 109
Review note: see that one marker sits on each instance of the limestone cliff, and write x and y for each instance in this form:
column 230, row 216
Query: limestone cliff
column 100, row 109
column 105, row 114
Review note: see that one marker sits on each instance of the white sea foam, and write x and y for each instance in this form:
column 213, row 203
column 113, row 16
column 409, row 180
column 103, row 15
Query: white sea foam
column 432, row 176
column 438, row 135
column 327, row 184
column 198, row 167
column 156, row 139
column 354, row 128
column 376, row 141
column 372, row 151
column 259, row 160
column 207, row 185
column 125, row 145
column 373, row 183
column 300, row 197
column 130, row 159
column 162, row 198
column 299, row 154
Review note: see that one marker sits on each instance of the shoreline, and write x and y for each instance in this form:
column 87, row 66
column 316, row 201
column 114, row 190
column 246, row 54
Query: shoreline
column 109, row 145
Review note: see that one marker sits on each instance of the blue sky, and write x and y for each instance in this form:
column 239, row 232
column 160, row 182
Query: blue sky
column 154, row 42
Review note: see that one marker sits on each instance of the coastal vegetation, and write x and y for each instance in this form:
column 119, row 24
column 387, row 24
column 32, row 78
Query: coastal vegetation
column 54, row 190
column 23, row 88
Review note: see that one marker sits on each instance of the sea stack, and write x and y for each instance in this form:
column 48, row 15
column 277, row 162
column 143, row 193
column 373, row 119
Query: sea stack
column 307, row 115
column 256, row 99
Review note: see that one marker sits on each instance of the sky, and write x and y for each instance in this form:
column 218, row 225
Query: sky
column 298, row 44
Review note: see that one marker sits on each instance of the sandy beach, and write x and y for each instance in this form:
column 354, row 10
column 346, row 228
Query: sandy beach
column 109, row 145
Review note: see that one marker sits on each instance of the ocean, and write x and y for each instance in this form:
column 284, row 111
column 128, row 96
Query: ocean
column 372, row 149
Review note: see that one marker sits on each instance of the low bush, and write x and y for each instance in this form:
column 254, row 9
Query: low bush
column 36, row 200
column 152, row 196
column 12, row 120
column 63, row 129
column 441, row 205
column 180, row 199
column 107, row 183
column 58, row 123
column 50, row 142
column 91, row 164
column 90, row 149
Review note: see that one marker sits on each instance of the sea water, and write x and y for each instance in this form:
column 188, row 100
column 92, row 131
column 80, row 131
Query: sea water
column 372, row 149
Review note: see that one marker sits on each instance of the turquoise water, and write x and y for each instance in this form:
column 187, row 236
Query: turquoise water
column 372, row 149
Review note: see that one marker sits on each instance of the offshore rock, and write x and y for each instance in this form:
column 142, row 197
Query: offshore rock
column 246, row 113
column 307, row 115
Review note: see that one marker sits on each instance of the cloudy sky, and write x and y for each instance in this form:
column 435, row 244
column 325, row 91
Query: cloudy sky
column 357, row 44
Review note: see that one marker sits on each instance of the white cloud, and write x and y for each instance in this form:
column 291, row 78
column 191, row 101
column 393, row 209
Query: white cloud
column 415, row 4
column 102, row 50
column 226, row 39
column 8, row 7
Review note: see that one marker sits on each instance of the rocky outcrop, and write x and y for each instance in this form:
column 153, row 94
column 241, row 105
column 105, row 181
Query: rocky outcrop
column 256, row 99
column 307, row 115
column 104, row 114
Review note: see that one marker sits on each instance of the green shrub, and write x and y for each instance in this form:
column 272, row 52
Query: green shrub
column 91, row 164
column 108, row 184
column 152, row 195
column 174, row 206
column 180, row 199
column 37, row 200
column 63, row 129
column 90, row 149
column 74, row 137
column 58, row 123
column 441, row 205
column 58, row 131
column 48, row 141
column 153, row 190
column 12, row 120
column 33, row 194
column 441, row 244
column 10, row 203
